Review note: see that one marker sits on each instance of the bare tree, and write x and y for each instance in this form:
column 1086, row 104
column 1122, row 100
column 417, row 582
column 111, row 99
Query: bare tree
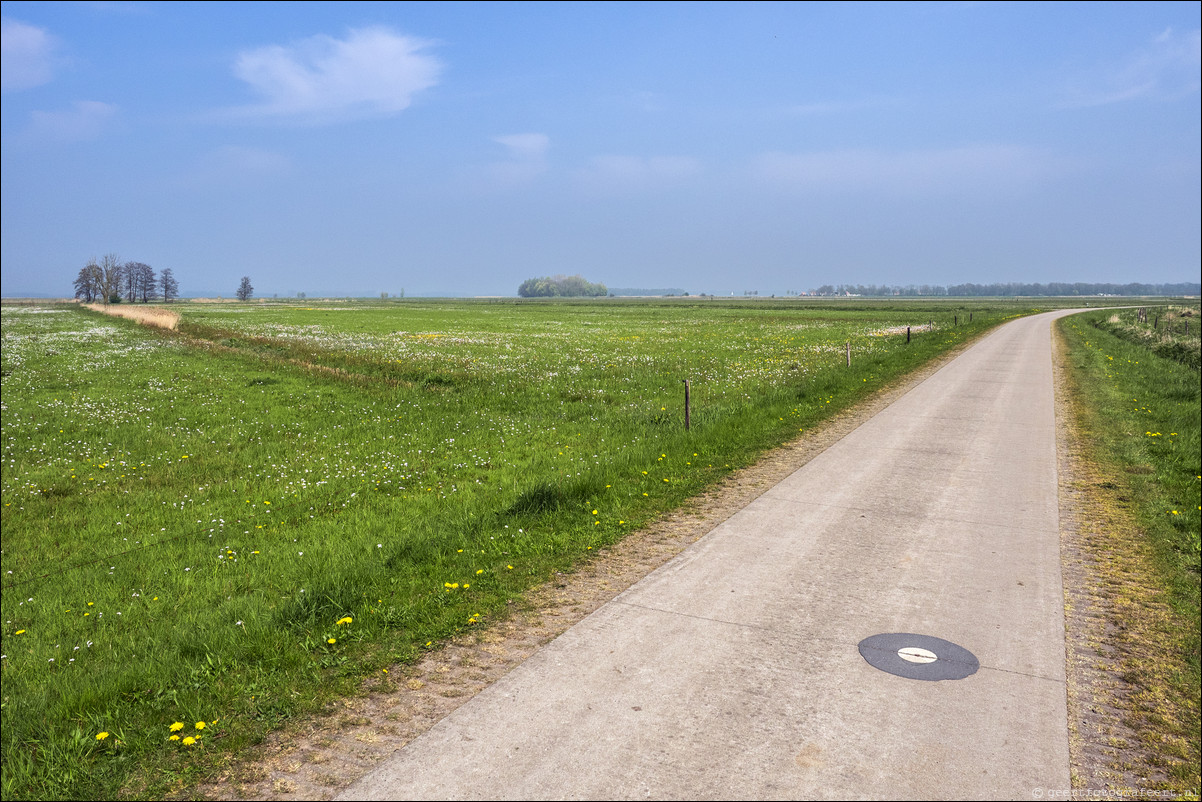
column 128, row 283
column 109, row 278
column 245, row 291
column 87, row 283
column 150, row 284
column 139, row 279
column 168, row 284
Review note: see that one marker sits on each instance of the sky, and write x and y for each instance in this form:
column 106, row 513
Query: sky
column 460, row 148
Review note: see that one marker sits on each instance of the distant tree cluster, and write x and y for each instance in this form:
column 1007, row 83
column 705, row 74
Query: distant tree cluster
column 111, row 281
column 1011, row 289
column 561, row 287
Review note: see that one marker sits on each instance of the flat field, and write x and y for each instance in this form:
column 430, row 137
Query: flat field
column 209, row 530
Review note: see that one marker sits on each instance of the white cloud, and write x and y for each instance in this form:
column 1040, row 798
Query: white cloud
column 27, row 55
column 1167, row 68
column 617, row 173
column 86, row 119
column 948, row 171
column 372, row 72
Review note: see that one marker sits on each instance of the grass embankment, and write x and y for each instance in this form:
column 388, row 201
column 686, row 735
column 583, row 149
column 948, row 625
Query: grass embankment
column 239, row 522
column 1139, row 414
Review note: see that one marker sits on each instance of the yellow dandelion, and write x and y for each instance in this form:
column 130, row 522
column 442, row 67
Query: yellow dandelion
column 200, row 725
column 345, row 620
column 100, row 736
column 177, row 726
column 173, row 738
column 332, row 640
column 189, row 741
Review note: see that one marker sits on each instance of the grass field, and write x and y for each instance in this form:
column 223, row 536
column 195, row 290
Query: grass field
column 209, row 530
column 1138, row 385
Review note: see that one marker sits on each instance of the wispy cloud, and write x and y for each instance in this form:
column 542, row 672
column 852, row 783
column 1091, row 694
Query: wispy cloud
column 239, row 160
column 825, row 108
column 948, row 171
column 619, row 173
column 1167, row 68
column 525, row 146
column 525, row 159
column 86, row 119
column 28, row 55
column 236, row 165
column 373, row 72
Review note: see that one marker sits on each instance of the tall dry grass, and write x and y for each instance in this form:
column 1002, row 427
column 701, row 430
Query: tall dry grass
column 148, row 315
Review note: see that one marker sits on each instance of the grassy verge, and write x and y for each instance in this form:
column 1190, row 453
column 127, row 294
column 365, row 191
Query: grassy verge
column 1138, row 414
column 207, row 532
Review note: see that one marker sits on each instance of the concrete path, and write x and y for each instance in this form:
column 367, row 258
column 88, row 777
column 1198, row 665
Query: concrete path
column 733, row 671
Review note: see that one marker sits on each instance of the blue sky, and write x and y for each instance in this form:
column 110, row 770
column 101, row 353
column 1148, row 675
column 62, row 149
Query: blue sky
column 459, row 148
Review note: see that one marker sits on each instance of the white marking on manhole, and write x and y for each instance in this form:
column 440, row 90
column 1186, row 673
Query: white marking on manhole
column 913, row 654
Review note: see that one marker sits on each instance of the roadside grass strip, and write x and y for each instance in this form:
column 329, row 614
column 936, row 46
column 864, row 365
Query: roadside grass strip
column 1143, row 420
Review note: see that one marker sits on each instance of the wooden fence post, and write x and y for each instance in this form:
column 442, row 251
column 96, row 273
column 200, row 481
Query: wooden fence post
column 849, row 353
column 686, row 404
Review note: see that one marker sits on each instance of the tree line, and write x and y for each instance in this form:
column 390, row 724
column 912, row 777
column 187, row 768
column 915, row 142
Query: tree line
column 1012, row 289
column 111, row 281
column 561, row 287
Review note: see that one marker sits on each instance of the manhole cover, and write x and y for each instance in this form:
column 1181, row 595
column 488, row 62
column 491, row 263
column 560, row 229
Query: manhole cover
column 918, row 656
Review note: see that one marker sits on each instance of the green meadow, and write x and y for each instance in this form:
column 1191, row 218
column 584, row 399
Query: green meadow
column 208, row 531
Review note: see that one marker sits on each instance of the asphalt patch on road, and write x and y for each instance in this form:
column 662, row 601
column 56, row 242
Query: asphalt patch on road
column 923, row 657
